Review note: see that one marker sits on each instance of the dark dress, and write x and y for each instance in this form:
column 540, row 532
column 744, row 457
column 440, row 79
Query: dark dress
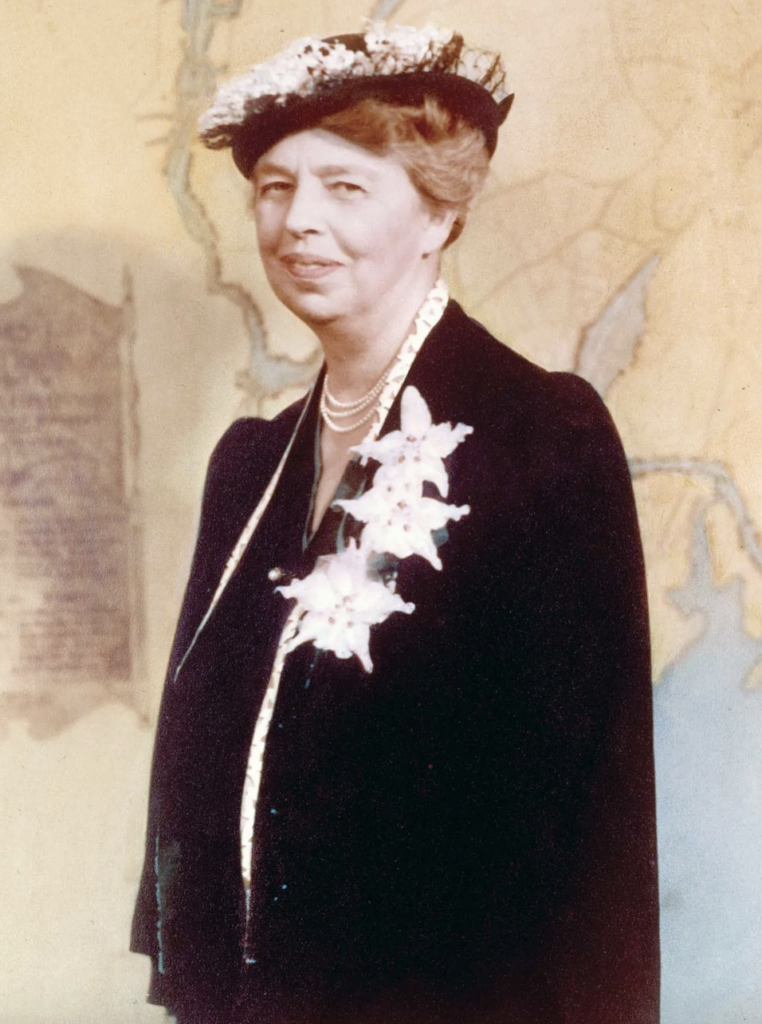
column 466, row 834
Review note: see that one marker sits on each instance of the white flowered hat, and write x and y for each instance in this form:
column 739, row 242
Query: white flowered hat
column 315, row 77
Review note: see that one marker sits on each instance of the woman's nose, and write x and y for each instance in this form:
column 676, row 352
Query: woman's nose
column 304, row 214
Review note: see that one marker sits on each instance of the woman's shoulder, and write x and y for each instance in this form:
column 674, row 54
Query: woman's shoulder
column 246, row 456
column 252, row 433
column 507, row 388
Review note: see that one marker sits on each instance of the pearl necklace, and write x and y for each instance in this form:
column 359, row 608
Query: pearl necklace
column 364, row 410
column 333, row 410
column 360, row 403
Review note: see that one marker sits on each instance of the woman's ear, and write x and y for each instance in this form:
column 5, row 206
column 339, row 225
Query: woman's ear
column 437, row 234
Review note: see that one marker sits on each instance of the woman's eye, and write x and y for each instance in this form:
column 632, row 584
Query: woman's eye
column 274, row 187
column 346, row 188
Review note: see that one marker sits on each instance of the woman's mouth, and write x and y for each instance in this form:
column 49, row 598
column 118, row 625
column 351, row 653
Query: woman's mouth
column 308, row 268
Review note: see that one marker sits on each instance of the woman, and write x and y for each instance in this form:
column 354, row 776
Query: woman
column 403, row 769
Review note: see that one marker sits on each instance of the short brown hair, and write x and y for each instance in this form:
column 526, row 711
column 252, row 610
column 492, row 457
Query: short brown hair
column 445, row 156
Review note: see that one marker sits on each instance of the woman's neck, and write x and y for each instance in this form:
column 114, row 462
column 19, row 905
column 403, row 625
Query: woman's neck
column 358, row 351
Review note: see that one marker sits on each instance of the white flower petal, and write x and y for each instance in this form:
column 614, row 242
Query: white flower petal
column 415, row 418
column 385, row 450
column 360, row 644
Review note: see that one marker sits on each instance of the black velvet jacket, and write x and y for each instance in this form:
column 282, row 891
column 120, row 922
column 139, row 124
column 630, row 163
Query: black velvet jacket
column 466, row 834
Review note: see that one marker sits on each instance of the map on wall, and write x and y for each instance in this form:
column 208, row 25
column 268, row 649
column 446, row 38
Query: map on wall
column 619, row 236
column 69, row 599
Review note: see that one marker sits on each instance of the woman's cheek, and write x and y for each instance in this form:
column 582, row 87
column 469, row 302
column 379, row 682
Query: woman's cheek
column 269, row 224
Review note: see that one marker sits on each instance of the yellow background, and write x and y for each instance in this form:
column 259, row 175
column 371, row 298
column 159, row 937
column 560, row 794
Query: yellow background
column 636, row 133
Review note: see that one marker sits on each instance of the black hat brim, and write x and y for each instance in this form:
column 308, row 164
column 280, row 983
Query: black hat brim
column 261, row 131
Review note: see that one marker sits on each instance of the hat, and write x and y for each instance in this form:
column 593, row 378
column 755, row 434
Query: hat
column 316, row 77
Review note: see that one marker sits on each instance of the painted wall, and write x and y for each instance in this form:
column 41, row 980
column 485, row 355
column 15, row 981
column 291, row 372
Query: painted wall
column 620, row 235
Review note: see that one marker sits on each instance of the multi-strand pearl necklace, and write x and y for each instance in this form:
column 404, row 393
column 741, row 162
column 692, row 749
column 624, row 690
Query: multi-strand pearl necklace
column 359, row 412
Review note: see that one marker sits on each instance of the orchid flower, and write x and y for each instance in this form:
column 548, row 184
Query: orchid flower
column 399, row 521
column 339, row 603
column 416, row 451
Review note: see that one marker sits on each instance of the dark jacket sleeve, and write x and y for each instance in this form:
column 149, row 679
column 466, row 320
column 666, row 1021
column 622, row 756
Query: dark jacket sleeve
column 583, row 660
column 223, row 513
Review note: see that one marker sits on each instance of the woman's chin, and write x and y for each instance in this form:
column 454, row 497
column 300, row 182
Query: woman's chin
column 313, row 305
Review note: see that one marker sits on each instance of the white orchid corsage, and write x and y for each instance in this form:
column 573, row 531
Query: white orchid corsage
column 346, row 594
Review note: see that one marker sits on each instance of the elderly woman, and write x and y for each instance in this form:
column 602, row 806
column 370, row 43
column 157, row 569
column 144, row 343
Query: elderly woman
column 403, row 771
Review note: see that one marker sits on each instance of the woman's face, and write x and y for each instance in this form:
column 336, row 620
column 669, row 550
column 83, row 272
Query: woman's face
column 342, row 232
